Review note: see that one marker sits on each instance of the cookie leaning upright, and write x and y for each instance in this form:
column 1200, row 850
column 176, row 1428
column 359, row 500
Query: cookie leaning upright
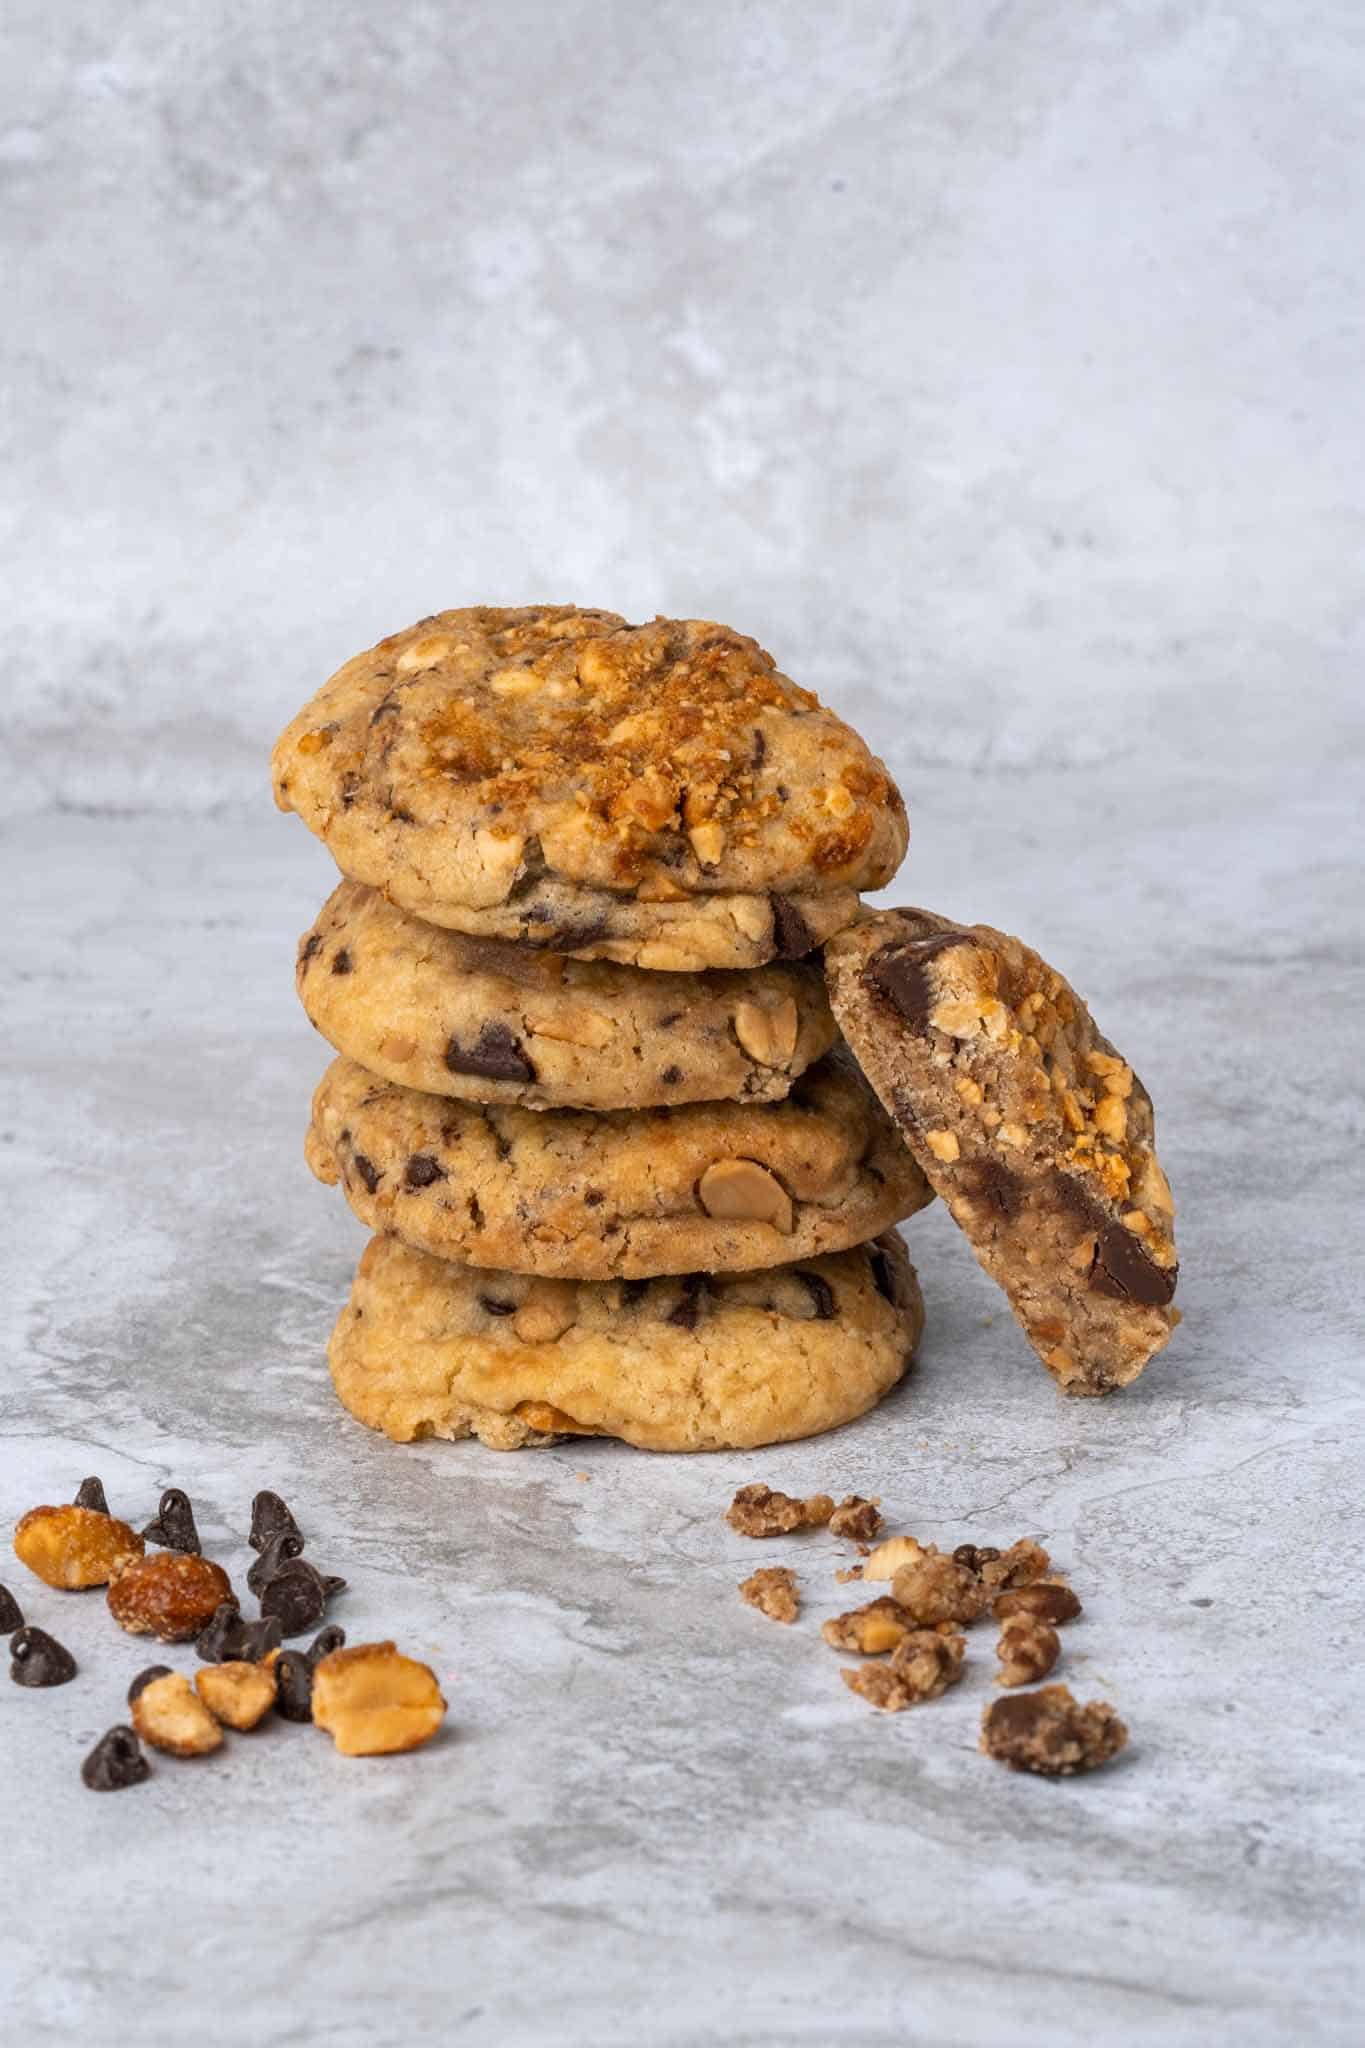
column 1034, row 1130
column 658, row 795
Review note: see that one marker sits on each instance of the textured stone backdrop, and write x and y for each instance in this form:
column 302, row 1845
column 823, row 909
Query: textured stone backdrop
column 997, row 364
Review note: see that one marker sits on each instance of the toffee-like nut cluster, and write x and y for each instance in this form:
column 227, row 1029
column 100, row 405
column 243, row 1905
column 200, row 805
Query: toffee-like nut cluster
column 73, row 1547
column 772, row 1590
column 1020, row 1565
column 870, row 1630
column 1028, row 1648
column 757, row 1511
column 922, row 1666
column 374, row 1702
column 1051, row 1733
column 170, row 1595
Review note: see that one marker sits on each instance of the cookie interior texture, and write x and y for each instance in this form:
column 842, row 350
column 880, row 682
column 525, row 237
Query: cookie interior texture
column 494, row 1021
column 1033, row 1129
column 696, row 1362
column 711, row 1187
column 690, row 798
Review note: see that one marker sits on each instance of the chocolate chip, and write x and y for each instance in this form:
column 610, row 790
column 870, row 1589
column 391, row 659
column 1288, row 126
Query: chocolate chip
column 497, row 1054
column 898, row 974
column 1122, row 1268
column 422, row 1171
column 760, row 752
column 90, row 1494
column 311, row 946
column 367, row 1170
column 593, row 1198
column 276, row 1553
column 174, row 1527
column 38, row 1659
column 115, row 1762
column 490, row 1305
column 573, row 933
column 974, row 1555
column 324, row 1642
column 792, row 936
column 633, row 1291
column 883, row 1272
column 671, row 1076
column 230, row 1639
column 686, row 1311
column 297, row 1596
column 342, row 962
column 270, row 1516
column 294, row 1685
column 144, row 1679
column 10, row 1615
column 988, row 1181
column 673, row 1017
column 821, row 1294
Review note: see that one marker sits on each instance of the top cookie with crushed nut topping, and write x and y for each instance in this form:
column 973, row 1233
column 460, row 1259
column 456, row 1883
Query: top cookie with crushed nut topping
column 1035, row 1131
column 487, row 1020
column 660, row 794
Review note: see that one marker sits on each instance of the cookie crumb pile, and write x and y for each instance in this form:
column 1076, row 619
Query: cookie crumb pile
column 630, row 1086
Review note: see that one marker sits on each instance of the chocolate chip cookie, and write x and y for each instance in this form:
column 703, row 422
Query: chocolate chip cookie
column 695, row 1363
column 492, row 1021
column 658, row 795
column 1035, row 1131
column 709, row 1187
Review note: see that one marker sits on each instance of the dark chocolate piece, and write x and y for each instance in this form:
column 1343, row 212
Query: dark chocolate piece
column 490, row 1305
column 422, row 1171
column 792, row 936
column 324, row 1642
column 294, row 1685
column 36, row 1658
column 342, row 962
column 115, row 1762
column 311, row 946
column 898, row 975
column 686, row 1311
column 174, row 1527
column 90, row 1494
column 230, row 1639
column 821, row 1294
column 671, row 1076
column 11, row 1616
column 297, row 1596
column 367, row 1170
column 144, row 1679
column 497, row 1054
column 883, row 1272
column 1123, row 1269
column 269, row 1516
column 277, row 1552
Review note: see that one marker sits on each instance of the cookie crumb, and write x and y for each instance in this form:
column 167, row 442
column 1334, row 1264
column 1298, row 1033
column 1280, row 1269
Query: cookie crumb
column 772, row 1590
column 869, row 1630
column 1020, row 1565
column 844, row 1578
column 1051, row 1603
column 1027, row 1650
column 857, row 1519
column 757, row 1511
column 935, row 1588
column 922, row 1666
column 1050, row 1733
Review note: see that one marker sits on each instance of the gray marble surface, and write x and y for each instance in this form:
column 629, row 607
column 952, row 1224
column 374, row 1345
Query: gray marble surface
column 654, row 1816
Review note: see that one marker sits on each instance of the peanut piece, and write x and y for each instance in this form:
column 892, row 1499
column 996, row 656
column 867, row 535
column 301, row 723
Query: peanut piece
column 374, row 1702
column 887, row 1559
column 72, row 1547
column 746, row 1191
column 170, row 1715
column 169, row 1595
column 708, row 842
column 237, row 1694
column 768, row 1036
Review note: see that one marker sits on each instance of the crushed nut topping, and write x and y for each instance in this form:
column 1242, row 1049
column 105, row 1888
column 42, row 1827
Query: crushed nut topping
column 772, row 1590
column 757, row 1511
column 1027, row 1650
column 857, row 1519
column 1051, row 1733
column 922, row 1666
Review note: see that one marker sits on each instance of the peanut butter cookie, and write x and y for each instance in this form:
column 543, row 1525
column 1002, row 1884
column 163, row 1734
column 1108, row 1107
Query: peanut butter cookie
column 710, row 1187
column 492, row 1021
column 659, row 795
column 696, row 1363
column 1035, row 1131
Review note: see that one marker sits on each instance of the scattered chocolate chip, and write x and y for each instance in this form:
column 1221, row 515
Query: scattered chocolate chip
column 686, row 1311
column 366, row 1170
column 90, row 1494
column 422, row 1171
column 897, row 973
column 229, row 1639
column 792, row 936
column 11, row 1617
column 297, row 1596
column 38, row 1659
column 144, row 1679
column 174, row 1527
column 497, row 1054
column 269, row 1516
column 821, row 1294
column 294, row 1685
column 116, row 1761
column 342, row 962
column 974, row 1555
column 280, row 1549
column 325, row 1641
column 490, row 1305
column 1122, row 1268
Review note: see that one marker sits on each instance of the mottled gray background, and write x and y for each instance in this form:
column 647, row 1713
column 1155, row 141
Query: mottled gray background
column 999, row 365
column 1000, row 361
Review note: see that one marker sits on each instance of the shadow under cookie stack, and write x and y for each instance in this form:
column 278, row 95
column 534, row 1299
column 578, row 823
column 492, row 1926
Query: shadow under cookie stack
column 588, row 1093
column 587, row 974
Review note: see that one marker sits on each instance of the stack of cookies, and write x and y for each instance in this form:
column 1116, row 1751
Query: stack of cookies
column 590, row 1096
column 626, row 1178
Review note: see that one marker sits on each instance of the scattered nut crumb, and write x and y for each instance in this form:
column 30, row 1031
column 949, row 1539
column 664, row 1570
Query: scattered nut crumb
column 1020, row 1565
column 1051, row 1733
column 757, row 1511
column 772, row 1590
column 73, row 1547
column 933, row 1588
column 1027, row 1650
column 169, row 1714
column 373, row 1701
column 1051, row 1603
column 886, row 1560
column 237, row 1694
column 868, row 1630
column 857, row 1519
column 924, row 1664
column 844, row 1578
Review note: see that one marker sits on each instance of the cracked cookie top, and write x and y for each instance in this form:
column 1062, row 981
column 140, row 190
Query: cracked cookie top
column 483, row 750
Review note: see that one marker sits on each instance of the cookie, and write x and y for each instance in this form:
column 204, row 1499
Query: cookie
column 1035, row 1131
column 696, row 1363
column 710, row 1187
column 657, row 795
column 491, row 1021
